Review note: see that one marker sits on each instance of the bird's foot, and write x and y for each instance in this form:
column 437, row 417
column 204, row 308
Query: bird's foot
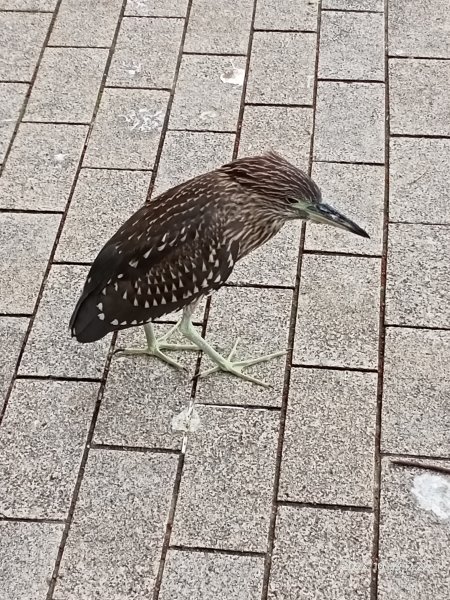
column 236, row 367
column 155, row 347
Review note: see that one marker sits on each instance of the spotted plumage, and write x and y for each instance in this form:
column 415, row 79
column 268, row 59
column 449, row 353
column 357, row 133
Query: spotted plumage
column 184, row 244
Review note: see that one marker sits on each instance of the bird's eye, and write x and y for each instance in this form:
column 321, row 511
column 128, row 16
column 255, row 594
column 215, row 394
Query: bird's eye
column 292, row 200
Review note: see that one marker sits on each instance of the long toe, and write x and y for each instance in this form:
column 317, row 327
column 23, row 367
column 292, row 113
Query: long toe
column 154, row 352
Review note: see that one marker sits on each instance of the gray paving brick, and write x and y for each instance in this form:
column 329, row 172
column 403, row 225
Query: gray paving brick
column 415, row 86
column 72, row 28
column 286, row 15
column 416, row 408
column 357, row 191
column 156, row 8
column 41, row 443
column 419, row 180
column 337, row 319
column 12, row 333
column 363, row 5
column 27, row 554
column 328, row 452
column 127, row 129
column 218, row 27
column 275, row 263
column 67, row 85
column 187, row 154
column 294, row 83
column 50, row 350
column 350, row 122
column 142, row 395
column 418, row 283
column 41, row 5
column 114, row 545
column 21, row 38
column 13, row 95
column 414, row 541
column 41, row 166
column 102, row 201
column 321, row 553
column 210, row 576
column 138, row 63
column 351, row 46
column 418, row 28
column 202, row 100
column 22, row 270
column 285, row 129
column 260, row 319
column 231, row 457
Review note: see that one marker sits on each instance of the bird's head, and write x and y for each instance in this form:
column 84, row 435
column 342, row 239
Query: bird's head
column 286, row 191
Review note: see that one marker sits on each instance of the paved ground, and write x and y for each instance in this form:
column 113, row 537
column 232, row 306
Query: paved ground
column 282, row 494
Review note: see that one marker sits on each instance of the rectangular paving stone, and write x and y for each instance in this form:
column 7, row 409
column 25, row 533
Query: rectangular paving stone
column 205, row 98
column 156, row 8
column 328, row 451
column 284, row 129
column 418, row 275
column 138, row 63
column 350, row 122
column 27, row 554
column 187, row 154
column 216, row 27
column 414, row 548
column 415, row 86
column 127, row 129
column 41, row 166
column 419, row 180
column 351, row 46
column 363, row 5
column 294, row 83
column 51, row 351
column 337, row 318
column 12, row 333
column 216, row 576
column 90, row 221
column 143, row 394
column 42, row 440
column 418, row 28
column 232, row 457
column 321, row 551
column 67, row 85
column 22, row 36
column 13, row 95
column 115, row 541
column 416, row 396
column 286, row 15
column 275, row 263
column 259, row 317
column 22, row 270
column 72, row 28
column 358, row 192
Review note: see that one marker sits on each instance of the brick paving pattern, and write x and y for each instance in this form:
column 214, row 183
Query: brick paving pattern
column 287, row 493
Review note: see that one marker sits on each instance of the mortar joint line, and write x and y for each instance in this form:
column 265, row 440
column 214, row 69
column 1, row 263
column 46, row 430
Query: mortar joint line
column 291, row 339
column 382, row 328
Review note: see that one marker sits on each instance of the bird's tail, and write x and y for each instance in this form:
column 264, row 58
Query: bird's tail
column 85, row 324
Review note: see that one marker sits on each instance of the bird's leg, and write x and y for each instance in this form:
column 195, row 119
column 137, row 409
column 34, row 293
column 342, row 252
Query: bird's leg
column 224, row 364
column 156, row 345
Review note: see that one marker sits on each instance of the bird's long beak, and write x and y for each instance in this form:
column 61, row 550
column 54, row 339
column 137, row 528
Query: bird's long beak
column 323, row 213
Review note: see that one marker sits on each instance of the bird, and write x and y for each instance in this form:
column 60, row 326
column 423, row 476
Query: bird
column 182, row 246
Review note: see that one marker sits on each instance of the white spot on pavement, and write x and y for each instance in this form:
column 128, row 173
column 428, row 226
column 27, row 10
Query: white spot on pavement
column 234, row 76
column 133, row 68
column 206, row 115
column 144, row 119
column 187, row 421
column 60, row 157
column 432, row 493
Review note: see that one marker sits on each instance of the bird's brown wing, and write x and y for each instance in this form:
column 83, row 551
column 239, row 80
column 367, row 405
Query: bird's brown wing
column 163, row 258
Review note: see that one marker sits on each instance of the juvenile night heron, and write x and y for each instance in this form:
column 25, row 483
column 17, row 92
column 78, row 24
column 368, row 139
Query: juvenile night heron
column 183, row 245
